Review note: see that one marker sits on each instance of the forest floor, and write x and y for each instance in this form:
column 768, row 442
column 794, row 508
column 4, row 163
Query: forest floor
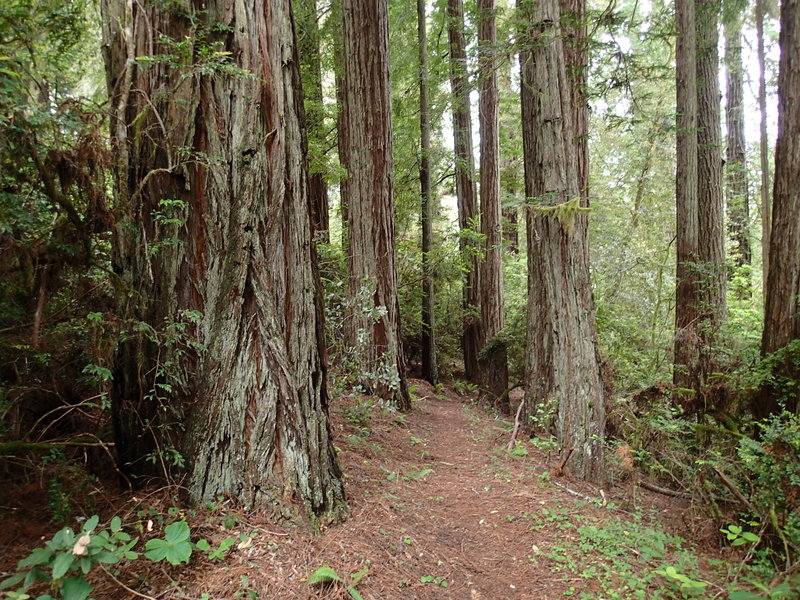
column 438, row 509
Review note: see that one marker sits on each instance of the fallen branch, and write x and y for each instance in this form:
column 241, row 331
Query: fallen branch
column 581, row 496
column 734, row 490
column 665, row 491
column 514, row 433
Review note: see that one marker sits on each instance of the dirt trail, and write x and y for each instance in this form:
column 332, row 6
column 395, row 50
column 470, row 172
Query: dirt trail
column 439, row 510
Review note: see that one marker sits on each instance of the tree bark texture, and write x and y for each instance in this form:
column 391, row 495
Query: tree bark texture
column 782, row 318
column 493, row 356
column 223, row 358
column 374, row 321
column 576, row 59
column 687, row 341
column 308, row 45
column 466, row 192
column 766, row 208
column 429, row 370
column 738, row 193
column 562, row 370
column 711, row 273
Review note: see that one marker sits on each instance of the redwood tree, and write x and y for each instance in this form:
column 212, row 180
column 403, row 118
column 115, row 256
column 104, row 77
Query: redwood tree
column 429, row 370
column 781, row 315
column 562, row 370
column 374, row 319
column 687, row 353
column 466, row 192
column 492, row 358
column 221, row 366
column 737, row 189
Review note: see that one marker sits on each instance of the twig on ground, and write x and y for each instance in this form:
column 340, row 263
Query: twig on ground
column 514, row 433
column 665, row 491
column 734, row 490
column 125, row 587
column 578, row 494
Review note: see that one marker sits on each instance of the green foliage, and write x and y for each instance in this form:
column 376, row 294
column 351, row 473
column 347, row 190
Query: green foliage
column 175, row 547
column 70, row 552
column 326, row 576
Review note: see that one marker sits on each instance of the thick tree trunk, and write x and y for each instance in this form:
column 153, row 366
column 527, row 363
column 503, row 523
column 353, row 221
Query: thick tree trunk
column 466, row 192
column 738, row 194
column 687, row 341
column 308, row 45
column 429, row 370
column 710, row 214
column 766, row 209
column 562, row 370
column 222, row 362
column 781, row 314
column 374, row 321
column 492, row 358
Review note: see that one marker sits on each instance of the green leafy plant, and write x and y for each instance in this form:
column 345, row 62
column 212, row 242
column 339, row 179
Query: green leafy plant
column 687, row 585
column 72, row 552
column 175, row 547
column 326, row 576
column 738, row 536
column 440, row 581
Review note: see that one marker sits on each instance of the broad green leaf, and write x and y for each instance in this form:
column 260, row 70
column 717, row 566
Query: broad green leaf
column 75, row 588
column 173, row 552
column 116, row 524
column 743, row 595
column 90, row 525
column 202, row 545
column 177, row 532
column 323, row 575
column 40, row 556
column 61, row 564
column 13, row 580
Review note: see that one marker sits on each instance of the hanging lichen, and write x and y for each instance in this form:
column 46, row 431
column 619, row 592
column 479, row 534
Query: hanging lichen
column 564, row 212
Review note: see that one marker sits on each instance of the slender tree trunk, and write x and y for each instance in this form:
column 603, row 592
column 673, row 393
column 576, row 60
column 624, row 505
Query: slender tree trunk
column 308, row 44
column 687, row 345
column 217, row 273
column 738, row 194
column 781, row 315
column 429, row 370
column 710, row 215
column 493, row 358
column 510, row 161
column 374, row 322
column 766, row 212
column 466, row 192
column 562, row 368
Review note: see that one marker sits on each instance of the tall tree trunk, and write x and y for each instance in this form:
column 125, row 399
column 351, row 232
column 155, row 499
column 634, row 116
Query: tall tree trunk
column 308, row 45
column 429, row 371
column 562, row 368
column 374, row 321
column 576, row 60
column 710, row 221
column 687, row 345
column 738, row 195
column 223, row 361
column 493, row 356
column 766, row 212
column 466, row 192
column 781, row 314
column 510, row 161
